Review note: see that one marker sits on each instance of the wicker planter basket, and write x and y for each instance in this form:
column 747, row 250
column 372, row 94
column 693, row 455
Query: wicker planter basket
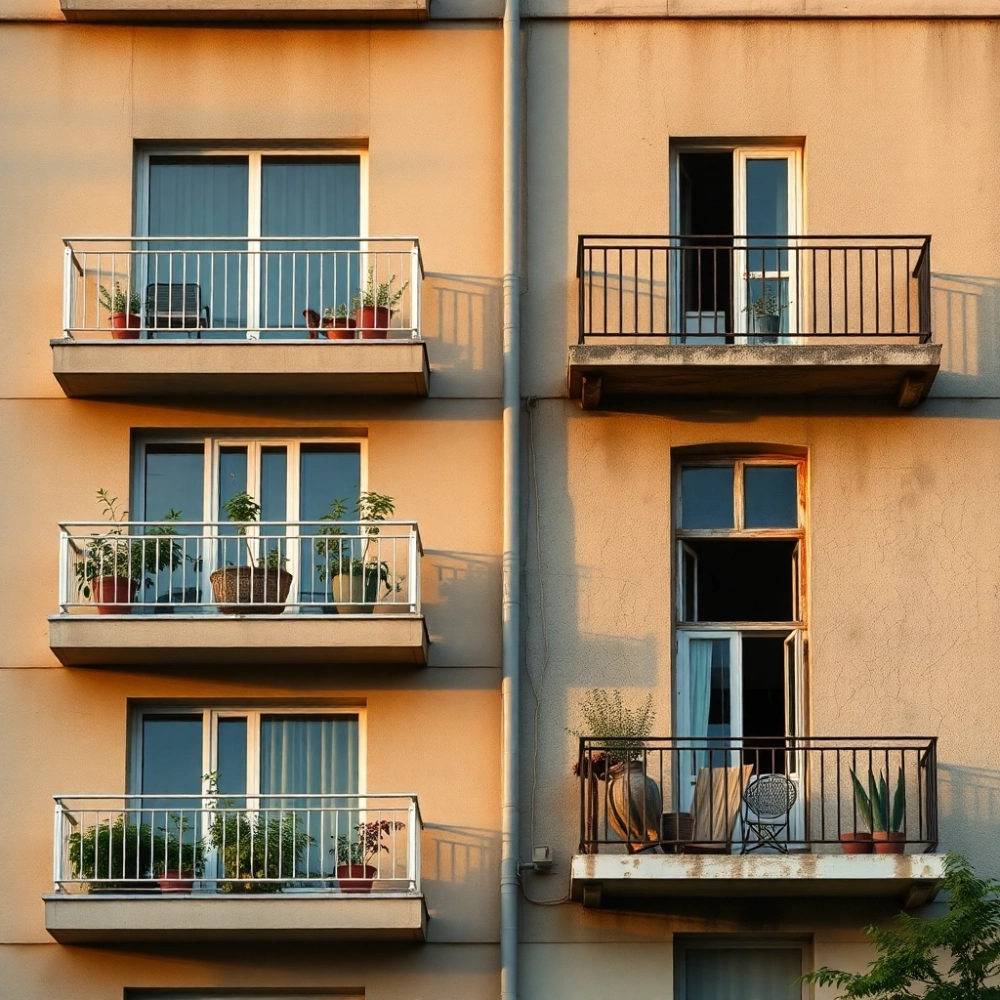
column 245, row 590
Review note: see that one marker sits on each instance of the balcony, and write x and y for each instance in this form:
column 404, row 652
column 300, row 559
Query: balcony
column 802, row 316
column 269, row 867
column 207, row 316
column 712, row 817
column 172, row 593
column 185, row 11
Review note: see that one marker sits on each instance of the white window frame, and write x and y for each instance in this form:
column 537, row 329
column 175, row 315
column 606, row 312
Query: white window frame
column 255, row 156
column 212, row 714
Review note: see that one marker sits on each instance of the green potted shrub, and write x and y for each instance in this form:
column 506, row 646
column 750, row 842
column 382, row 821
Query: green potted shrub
column 882, row 817
column 375, row 304
column 338, row 325
column 357, row 577
column 183, row 856
column 260, row 588
column 124, row 309
column 114, row 855
column 765, row 316
column 355, row 852
column 112, row 567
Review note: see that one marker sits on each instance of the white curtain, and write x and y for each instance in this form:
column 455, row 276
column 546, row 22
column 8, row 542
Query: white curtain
column 742, row 973
column 700, row 686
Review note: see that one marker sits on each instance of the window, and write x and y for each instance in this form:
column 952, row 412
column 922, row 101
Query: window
column 740, row 537
column 737, row 211
column 737, row 970
column 293, row 480
column 228, row 224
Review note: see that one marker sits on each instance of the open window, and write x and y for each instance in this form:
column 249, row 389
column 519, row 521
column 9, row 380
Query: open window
column 737, row 211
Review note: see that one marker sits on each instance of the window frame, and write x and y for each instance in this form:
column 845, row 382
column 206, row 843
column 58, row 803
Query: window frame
column 683, row 943
column 212, row 713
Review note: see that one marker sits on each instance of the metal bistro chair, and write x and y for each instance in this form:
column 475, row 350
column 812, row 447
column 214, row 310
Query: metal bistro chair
column 769, row 800
column 176, row 306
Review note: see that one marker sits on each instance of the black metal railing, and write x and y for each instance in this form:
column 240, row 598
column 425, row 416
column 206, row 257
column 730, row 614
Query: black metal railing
column 755, row 289
column 726, row 795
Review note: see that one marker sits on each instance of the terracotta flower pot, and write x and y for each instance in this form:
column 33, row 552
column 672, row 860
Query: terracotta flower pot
column 856, row 843
column 373, row 322
column 111, row 594
column 340, row 328
column 176, row 880
column 889, row 842
column 356, row 879
column 247, row 590
column 125, row 326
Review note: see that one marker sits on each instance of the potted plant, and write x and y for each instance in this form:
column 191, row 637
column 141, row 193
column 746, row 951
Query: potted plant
column 765, row 316
column 112, row 566
column 255, row 848
column 114, row 855
column 337, row 324
column 357, row 581
column 354, row 854
column 374, row 306
column 124, row 308
column 883, row 819
column 264, row 583
column 634, row 801
column 183, row 858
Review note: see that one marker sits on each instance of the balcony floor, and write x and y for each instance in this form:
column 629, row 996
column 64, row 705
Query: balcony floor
column 119, row 640
column 111, row 918
column 111, row 368
column 599, row 373
column 912, row 878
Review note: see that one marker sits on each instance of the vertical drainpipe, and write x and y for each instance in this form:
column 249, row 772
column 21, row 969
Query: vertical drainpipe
column 511, row 622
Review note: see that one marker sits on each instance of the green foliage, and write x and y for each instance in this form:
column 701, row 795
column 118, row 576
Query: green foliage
column 111, row 554
column 120, row 301
column 950, row 957
column 767, row 304
column 607, row 716
column 379, row 294
column 114, row 852
column 242, row 508
column 360, row 849
column 873, row 805
column 334, row 549
column 340, row 313
column 182, row 850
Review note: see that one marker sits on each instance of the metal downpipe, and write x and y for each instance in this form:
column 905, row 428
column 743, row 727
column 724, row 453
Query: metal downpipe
column 511, row 620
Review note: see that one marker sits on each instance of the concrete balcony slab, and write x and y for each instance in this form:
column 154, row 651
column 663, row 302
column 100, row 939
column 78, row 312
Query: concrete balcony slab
column 112, row 368
column 911, row 878
column 598, row 374
column 165, row 640
column 113, row 919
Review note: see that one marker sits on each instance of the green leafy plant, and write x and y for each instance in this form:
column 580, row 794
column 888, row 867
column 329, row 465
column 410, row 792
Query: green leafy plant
column 120, row 301
column 182, row 850
column 767, row 304
column 606, row 716
column 379, row 294
column 361, row 847
column 243, row 509
column 874, row 806
column 339, row 313
column 113, row 853
column 950, row 957
column 255, row 847
column 335, row 556
column 114, row 554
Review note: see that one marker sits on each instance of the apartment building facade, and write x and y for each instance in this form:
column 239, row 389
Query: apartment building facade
column 730, row 445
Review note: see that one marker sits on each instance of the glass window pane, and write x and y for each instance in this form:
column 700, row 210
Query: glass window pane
column 707, row 497
column 232, row 480
column 231, row 758
column 743, row 973
column 767, row 197
column 771, row 496
column 171, row 754
column 174, row 479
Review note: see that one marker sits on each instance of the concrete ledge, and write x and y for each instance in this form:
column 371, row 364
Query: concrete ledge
column 107, row 918
column 599, row 373
column 243, row 10
column 912, row 878
column 122, row 640
column 106, row 368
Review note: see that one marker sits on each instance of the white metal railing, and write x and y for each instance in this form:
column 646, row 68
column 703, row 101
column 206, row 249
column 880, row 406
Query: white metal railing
column 214, row 288
column 261, row 567
column 150, row 844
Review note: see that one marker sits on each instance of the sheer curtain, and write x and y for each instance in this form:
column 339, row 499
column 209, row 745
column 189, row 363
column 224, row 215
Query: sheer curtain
column 303, row 757
column 700, row 685
column 742, row 973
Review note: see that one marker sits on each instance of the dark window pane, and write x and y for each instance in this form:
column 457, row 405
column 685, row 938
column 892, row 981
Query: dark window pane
column 174, row 479
column 273, row 483
column 232, row 756
column 744, row 580
column 771, row 496
column 707, row 497
column 171, row 754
